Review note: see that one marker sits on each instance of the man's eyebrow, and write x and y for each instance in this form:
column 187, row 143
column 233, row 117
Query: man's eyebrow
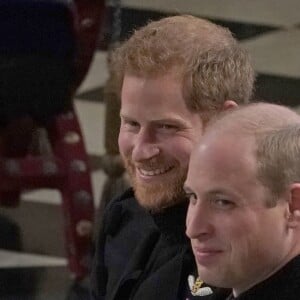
column 125, row 117
column 171, row 120
column 154, row 121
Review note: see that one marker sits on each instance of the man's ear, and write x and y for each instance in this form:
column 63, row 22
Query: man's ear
column 294, row 205
column 228, row 104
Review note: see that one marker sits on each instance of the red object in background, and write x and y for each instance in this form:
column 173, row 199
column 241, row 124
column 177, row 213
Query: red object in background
column 41, row 143
column 88, row 25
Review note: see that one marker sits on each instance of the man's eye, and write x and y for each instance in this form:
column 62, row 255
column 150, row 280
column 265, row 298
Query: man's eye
column 131, row 124
column 223, row 203
column 191, row 197
column 167, row 127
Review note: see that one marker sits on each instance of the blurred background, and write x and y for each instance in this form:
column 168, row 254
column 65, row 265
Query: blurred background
column 33, row 260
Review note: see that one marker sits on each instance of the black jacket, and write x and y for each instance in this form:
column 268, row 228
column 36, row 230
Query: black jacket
column 141, row 256
column 283, row 285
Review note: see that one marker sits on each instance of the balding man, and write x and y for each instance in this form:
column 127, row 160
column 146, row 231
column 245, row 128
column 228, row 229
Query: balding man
column 244, row 213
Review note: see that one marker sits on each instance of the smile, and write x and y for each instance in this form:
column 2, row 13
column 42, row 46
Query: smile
column 204, row 256
column 154, row 172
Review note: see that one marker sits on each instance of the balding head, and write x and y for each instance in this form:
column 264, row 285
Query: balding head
column 274, row 129
column 254, row 119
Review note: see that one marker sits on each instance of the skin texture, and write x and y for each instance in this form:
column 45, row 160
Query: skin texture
column 237, row 240
column 156, row 138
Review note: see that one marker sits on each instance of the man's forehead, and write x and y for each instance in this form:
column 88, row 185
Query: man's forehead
column 218, row 162
column 219, row 147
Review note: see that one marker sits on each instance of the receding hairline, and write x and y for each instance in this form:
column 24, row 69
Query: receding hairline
column 254, row 118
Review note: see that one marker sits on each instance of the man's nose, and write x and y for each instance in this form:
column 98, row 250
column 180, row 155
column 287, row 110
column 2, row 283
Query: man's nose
column 145, row 146
column 197, row 222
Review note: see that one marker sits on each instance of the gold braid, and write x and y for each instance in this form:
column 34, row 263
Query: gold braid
column 197, row 285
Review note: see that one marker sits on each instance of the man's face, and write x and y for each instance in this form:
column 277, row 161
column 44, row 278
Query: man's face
column 236, row 239
column 156, row 137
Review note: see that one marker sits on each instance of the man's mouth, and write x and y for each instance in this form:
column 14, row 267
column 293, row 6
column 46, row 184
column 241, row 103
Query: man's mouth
column 154, row 172
column 205, row 255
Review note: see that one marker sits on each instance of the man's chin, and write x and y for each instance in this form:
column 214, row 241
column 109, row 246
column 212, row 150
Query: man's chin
column 157, row 197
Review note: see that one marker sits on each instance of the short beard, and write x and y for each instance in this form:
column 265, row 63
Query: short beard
column 157, row 197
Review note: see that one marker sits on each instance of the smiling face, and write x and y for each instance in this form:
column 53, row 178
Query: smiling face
column 236, row 239
column 156, row 137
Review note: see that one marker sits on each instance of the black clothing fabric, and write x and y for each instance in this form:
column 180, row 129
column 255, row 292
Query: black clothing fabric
column 142, row 256
column 283, row 285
